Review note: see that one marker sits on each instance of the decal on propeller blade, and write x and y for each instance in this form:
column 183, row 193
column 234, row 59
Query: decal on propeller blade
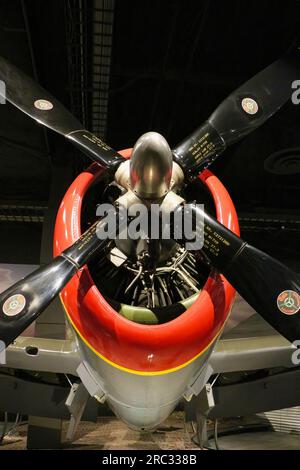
column 43, row 105
column 14, row 305
column 249, row 105
column 288, row 302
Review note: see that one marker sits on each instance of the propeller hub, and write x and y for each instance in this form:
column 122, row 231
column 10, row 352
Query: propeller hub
column 151, row 166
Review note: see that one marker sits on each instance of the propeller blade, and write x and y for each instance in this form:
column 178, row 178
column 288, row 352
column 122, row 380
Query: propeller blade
column 22, row 303
column 269, row 286
column 240, row 113
column 33, row 100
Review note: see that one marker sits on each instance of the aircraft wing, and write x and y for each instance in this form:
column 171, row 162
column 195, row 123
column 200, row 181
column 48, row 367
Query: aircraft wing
column 249, row 342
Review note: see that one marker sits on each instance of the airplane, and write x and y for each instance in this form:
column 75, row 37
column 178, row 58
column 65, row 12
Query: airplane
column 144, row 316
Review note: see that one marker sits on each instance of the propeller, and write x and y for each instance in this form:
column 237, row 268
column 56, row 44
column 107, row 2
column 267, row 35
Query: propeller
column 33, row 100
column 269, row 286
column 240, row 113
column 21, row 304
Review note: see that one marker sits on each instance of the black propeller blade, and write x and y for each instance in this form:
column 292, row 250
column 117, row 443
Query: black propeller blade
column 269, row 286
column 22, row 303
column 29, row 97
column 240, row 113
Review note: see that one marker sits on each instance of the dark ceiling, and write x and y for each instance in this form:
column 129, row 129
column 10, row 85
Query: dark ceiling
column 127, row 67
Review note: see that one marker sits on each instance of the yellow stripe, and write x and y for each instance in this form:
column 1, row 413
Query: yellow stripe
column 138, row 372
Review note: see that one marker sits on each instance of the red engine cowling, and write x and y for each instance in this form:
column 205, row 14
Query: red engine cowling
column 136, row 348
